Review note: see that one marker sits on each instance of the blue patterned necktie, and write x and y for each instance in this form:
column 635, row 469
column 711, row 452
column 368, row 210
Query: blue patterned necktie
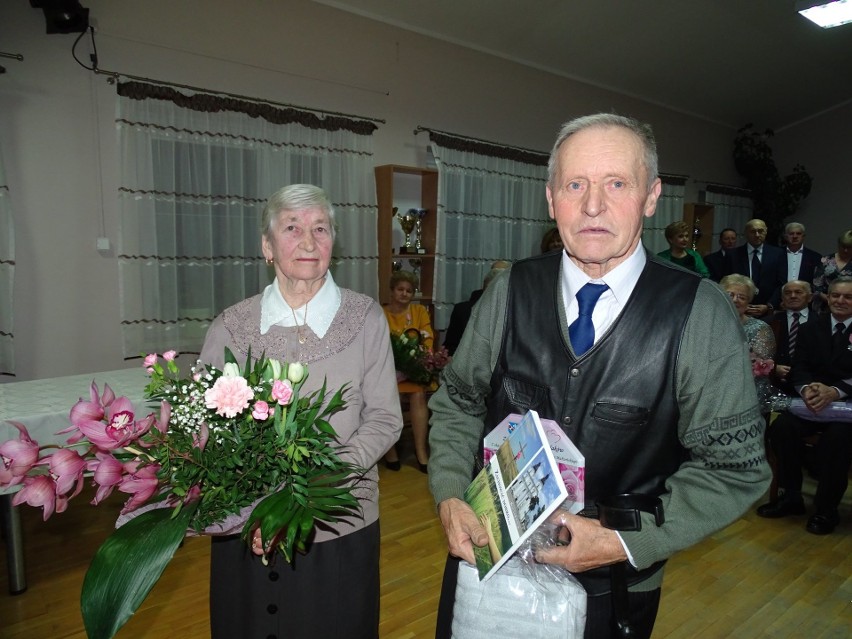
column 582, row 331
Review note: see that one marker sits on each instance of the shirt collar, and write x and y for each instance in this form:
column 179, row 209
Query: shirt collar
column 803, row 314
column 795, row 252
column 274, row 309
column 621, row 280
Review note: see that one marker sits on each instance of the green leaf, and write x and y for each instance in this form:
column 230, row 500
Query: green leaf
column 126, row 567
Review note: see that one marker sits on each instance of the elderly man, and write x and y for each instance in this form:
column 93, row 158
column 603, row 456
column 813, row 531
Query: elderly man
column 821, row 374
column 720, row 263
column 796, row 295
column 801, row 261
column 765, row 264
column 650, row 379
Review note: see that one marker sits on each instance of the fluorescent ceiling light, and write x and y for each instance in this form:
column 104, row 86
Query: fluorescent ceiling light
column 827, row 14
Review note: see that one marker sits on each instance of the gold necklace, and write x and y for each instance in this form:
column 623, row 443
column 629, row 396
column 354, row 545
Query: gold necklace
column 302, row 338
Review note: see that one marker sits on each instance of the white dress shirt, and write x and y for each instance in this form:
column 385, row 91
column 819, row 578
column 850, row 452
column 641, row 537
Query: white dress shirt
column 621, row 281
column 794, row 263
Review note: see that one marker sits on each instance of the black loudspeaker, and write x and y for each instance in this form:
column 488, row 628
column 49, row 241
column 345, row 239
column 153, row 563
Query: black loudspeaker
column 63, row 16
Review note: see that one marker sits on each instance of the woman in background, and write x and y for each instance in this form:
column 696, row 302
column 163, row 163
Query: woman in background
column 403, row 316
column 679, row 236
column 551, row 241
column 830, row 268
column 761, row 339
column 342, row 338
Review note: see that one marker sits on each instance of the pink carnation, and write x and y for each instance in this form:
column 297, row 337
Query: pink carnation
column 150, row 360
column 229, row 396
column 169, row 355
column 282, row 391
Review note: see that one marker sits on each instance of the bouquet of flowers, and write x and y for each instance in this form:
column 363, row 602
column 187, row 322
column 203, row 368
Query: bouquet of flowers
column 223, row 440
column 413, row 361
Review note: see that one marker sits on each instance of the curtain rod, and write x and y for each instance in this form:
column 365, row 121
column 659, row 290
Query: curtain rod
column 420, row 129
column 114, row 76
column 13, row 56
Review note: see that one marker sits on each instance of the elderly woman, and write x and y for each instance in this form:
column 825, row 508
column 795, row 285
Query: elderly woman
column 761, row 339
column 403, row 316
column 830, row 268
column 342, row 337
column 679, row 236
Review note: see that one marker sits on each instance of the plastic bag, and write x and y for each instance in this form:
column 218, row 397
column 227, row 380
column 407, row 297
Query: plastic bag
column 834, row 412
column 522, row 599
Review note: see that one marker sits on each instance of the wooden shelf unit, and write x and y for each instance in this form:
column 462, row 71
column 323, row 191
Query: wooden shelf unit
column 406, row 187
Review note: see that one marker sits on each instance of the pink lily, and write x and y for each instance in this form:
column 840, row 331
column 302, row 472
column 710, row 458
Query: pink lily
column 142, row 483
column 17, row 457
column 85, row 411
column 119, row 429
column 39, row 491
column 66, row 468
column 108, row 473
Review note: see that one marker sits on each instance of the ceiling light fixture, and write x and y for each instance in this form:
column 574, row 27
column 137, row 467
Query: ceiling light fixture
column 826, row 14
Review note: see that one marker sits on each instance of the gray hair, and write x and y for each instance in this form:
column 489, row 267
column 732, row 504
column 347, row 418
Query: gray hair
column 843, row 279
column 295, row 198
column 794, row 225
column 735, row 279
column 606, row 121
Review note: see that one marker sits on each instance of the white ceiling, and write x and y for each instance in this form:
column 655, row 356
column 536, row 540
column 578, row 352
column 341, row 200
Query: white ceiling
column 726, row 61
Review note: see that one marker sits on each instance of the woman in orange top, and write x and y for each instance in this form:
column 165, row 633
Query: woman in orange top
column 402, row 316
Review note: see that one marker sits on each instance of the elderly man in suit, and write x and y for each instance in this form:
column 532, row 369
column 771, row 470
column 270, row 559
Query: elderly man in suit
column 719, row 262
column 765, row 264
column 801, row 261
column 821, row 374
column 785, row 324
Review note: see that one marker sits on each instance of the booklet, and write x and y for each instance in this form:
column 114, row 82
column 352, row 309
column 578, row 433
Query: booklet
column 519, row 487
column 571, row 462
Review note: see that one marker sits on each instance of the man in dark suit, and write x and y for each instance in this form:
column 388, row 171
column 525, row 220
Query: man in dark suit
column 801, row 261
column 765, row 264
column 785, row 324
column 821, row 374
column 719, row 263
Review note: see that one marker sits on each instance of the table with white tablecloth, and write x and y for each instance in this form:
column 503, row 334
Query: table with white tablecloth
column 43, row 406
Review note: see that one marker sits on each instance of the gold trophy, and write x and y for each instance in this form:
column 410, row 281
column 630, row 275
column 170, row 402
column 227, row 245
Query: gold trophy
column 407, row 222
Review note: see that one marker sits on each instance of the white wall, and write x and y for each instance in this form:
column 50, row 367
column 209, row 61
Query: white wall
column 52, row 112
column 824, row 146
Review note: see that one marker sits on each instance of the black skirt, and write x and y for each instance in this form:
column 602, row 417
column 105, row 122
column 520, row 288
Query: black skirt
column 332, row 591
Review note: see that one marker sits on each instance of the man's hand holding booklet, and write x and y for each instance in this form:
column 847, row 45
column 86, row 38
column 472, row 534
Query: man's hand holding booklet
column 531, row 469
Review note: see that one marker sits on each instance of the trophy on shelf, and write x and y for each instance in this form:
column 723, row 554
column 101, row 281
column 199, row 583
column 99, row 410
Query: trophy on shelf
column 396, row 265
column 416, row 263
column 418, row 243
column 407, row 221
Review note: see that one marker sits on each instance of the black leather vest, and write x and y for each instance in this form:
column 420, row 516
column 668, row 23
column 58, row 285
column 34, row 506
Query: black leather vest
column 617, row 401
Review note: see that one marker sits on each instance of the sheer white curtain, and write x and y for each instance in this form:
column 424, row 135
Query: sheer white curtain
column 195, row 173
column 7, row 277
column 730, row 210
column 489, row 208
column 669, row 209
